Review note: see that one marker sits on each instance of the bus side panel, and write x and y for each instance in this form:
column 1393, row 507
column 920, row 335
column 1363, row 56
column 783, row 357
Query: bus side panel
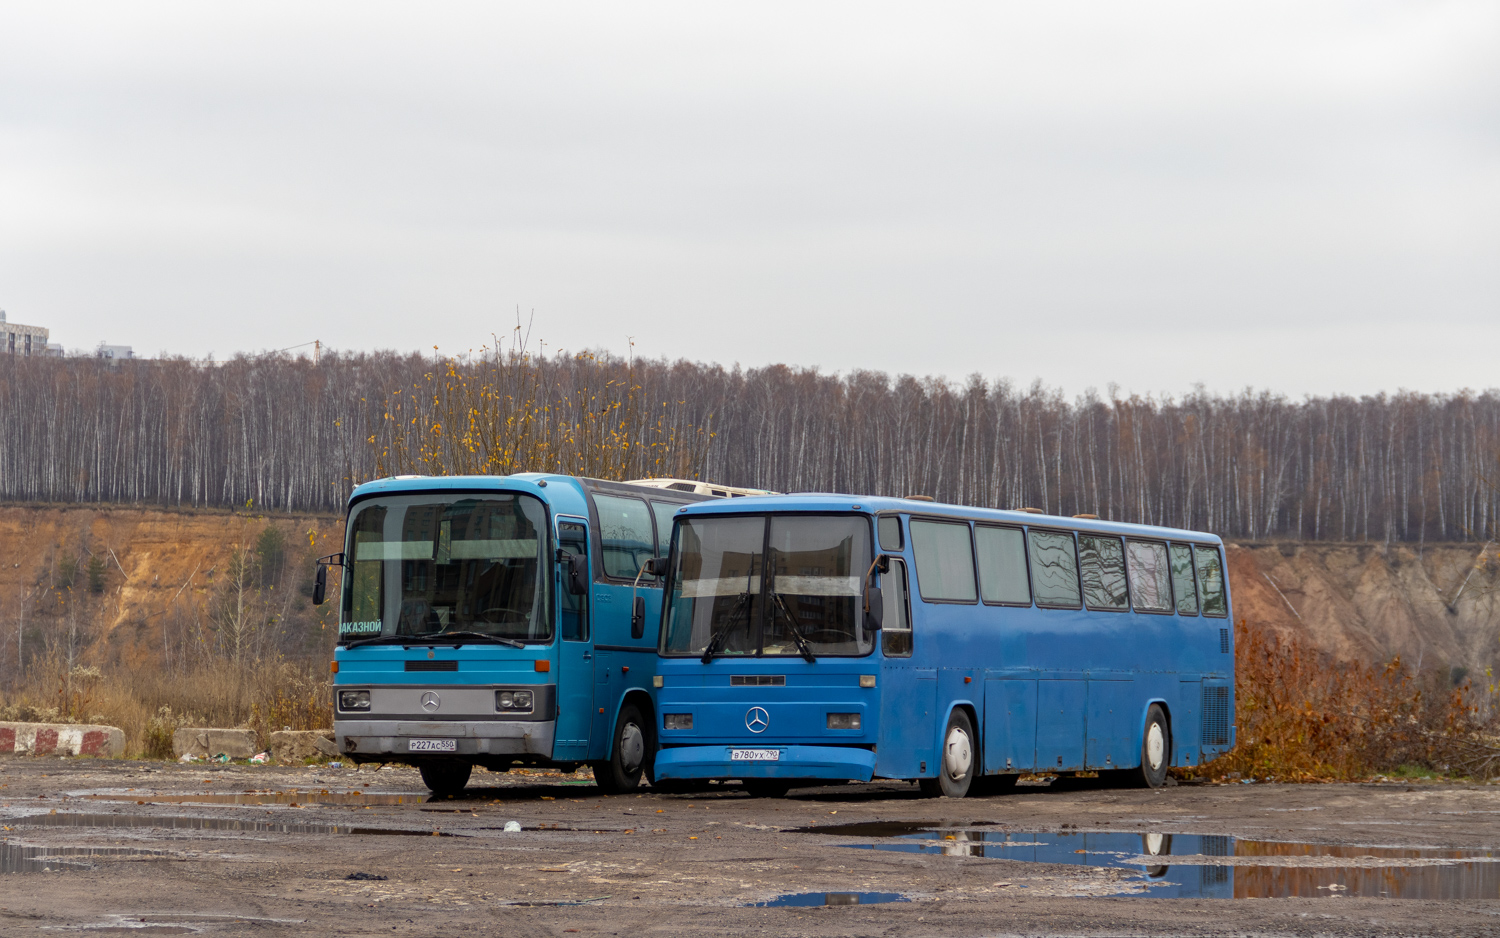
column 1111, row 718
column 1187, row 721
column 1009, row 730
column 908, row 701
column 1060, row 725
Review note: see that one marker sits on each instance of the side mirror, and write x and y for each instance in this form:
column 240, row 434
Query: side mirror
column 578, row 574
column 320, row 586
column 874, row 608
column 638, row 617
column 656, row 566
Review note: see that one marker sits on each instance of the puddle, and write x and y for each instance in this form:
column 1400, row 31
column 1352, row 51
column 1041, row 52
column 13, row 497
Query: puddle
column 204, row 824
column 802, row 899
column 1213, row 866
column 23, row 858
column 293, row 798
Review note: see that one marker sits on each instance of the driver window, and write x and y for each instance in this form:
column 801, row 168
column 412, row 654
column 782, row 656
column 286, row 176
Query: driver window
column 573, row 609
column 895, row 633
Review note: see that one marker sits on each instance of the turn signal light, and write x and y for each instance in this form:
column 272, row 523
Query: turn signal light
column 543, row 665
column 333, row 667
column 867, row 680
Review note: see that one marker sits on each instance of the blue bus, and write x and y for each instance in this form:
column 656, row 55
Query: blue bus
column 499, row 621
column 829, row 637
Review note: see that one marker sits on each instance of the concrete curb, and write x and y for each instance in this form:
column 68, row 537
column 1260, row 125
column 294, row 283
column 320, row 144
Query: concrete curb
column 207, row 741
column 61, row 739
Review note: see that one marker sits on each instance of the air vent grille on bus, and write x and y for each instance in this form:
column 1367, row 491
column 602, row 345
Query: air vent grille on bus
column 432, row 666
column 1216, row 716
column 1223, row 641
column 757, row 680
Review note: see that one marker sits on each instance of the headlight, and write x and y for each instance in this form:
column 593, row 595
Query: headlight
column 513, row 701
column 354, row 700
column 677, row 721
column 843, row 721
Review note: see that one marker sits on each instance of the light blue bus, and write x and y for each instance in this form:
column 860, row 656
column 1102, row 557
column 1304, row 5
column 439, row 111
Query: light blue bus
column 499, row 621
column 828, row 637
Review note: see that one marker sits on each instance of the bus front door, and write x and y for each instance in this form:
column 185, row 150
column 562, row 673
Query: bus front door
column 575, row 678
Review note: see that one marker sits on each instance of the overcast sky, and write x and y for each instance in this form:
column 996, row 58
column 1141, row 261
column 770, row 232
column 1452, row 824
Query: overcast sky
column 1303, row 197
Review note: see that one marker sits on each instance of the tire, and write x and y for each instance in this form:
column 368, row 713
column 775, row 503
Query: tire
column 445, row 778
column 629, row 754
column 1156, row 752
column 766, row 787
column 960, row 758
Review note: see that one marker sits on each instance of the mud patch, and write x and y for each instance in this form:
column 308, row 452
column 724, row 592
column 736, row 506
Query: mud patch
column 292, row 799
column 234, row 825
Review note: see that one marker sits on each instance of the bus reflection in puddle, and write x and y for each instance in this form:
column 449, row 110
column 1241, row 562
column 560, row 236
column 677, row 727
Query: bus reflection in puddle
column 1184, row 865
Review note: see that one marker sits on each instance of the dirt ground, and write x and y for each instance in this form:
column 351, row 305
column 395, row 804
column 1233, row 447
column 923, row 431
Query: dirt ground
column 655, row 864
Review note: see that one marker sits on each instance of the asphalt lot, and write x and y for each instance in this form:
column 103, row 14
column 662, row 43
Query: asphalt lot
column 98, row 847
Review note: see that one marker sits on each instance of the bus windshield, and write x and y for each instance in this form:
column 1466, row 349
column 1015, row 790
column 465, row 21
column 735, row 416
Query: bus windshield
column 424, row 565
column 769, row 585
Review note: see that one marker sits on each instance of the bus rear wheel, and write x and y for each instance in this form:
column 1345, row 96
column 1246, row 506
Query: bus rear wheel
column 956, row 767
column 445, row 778
column 628, row 755
column 1156, row 752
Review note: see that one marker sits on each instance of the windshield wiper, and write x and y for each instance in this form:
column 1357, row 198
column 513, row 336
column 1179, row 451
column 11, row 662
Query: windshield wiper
column 466, row 638
column 791, row 621
column 718, row 637
column 381, row 640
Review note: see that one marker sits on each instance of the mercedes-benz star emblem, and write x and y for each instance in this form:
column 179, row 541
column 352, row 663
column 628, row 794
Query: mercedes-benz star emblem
column 431, row 701
column 757, row 719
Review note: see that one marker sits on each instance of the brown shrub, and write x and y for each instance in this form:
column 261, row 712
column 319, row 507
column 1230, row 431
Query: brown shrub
column 1303, row 716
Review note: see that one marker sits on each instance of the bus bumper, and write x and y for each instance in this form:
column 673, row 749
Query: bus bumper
column 839, row 763
column 470, row 738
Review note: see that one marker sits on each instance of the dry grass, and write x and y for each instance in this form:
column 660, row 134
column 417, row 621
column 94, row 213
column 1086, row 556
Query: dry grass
column 149, row 705
column 1303, row 716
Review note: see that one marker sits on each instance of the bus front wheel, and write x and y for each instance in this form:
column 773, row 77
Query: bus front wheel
column 627, row 760
column 956, row 768
column 1156, row 752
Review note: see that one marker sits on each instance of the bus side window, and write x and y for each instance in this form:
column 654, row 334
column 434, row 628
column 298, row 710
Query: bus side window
column 945, row 561
column 1002, row 565
column 1102, row 561
column 625, row 538
column 1150, row 584
column 890, row 533
column 1054, row 569
column 1182, row 580
column 573, row 609
column 895, row 634
column 1211, row 581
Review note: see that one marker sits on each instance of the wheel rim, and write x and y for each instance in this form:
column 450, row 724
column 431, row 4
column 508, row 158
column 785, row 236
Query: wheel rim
column 958, row 754
column 1156, row 745
column 632, row 747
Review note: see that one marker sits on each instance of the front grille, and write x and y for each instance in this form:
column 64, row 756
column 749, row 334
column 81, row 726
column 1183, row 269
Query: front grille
column 757, row 680
column 432, row 666
column 1216, row 716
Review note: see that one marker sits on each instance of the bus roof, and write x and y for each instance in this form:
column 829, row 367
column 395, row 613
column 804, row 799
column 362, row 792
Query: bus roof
column 418, row 483
column 826, row 502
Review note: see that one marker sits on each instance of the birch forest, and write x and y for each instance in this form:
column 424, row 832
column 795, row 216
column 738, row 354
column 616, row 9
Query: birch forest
column 285, row 434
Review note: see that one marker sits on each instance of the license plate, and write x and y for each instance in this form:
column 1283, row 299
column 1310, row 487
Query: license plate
column 755, row 755
column 432, row 745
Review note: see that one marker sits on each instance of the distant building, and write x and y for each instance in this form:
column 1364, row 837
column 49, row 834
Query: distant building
column 17, row 339
column 114, row 351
